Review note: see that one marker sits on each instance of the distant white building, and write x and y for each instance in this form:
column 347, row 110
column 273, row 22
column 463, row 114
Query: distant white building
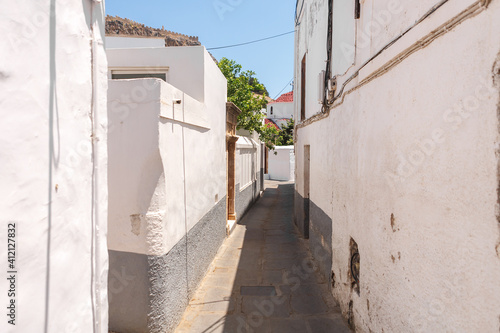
column 281, row 164
column 280, row 111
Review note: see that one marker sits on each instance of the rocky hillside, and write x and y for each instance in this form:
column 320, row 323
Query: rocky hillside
column 125, row 27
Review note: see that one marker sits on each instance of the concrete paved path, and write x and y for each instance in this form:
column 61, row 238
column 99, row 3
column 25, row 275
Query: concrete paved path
column 257, row 282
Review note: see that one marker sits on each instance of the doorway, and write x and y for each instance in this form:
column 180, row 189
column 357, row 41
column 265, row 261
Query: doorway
column 232, row 113
column 231, row 178
column 307, row 194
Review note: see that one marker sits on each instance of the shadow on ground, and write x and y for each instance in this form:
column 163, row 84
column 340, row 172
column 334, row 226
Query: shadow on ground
column 264, row 279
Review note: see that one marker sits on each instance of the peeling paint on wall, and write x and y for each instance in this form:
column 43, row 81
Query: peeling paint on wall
column 135, row 221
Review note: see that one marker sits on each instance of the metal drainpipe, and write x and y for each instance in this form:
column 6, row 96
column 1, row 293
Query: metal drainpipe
column 329, row 49
column 95, row 248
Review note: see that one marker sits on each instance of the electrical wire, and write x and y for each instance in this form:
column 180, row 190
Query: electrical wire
column 300, row 12
column 329, row 49
column 254, row 41
column 284, row 88
column 425, row 16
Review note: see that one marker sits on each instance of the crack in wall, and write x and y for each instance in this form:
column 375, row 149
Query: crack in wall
column 496, row 82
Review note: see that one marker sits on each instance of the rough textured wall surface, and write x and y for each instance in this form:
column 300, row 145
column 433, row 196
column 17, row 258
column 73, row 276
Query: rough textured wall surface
column 157, row 289
column 53, row 171
column 405, row 165
column 129, row 289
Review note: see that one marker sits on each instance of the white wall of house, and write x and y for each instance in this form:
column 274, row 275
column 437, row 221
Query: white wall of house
column 121, row 42
column 280, row 110
column 282, row 163
column 248, row 161
column 185, row 65
column 173, row 155
column 53, row 150
column 167, row 186
column 406, row 162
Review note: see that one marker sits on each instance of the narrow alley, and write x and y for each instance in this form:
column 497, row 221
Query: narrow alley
column 263, row 278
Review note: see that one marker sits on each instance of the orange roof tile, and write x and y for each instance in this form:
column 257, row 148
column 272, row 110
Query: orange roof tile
column 271, row 123
column 285, row 98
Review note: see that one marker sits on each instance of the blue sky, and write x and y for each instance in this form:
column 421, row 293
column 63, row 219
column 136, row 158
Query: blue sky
column 235, row 21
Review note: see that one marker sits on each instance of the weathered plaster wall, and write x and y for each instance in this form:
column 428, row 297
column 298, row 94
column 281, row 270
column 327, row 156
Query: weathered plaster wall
column 310, row 36
column 282, row 163
column 54, row 187
column 170, row 279
column 406, row 165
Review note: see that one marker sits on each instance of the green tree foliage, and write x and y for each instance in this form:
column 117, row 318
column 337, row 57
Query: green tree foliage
column 241, row 89
column 285, row 136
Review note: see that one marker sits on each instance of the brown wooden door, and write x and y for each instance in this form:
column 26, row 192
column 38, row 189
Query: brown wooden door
column 231, row 163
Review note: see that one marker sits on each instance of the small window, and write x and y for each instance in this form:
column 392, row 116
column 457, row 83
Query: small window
column 162, row 76
column 271, row 110
column 357, row 9
column 127, row 73
column 303, row 90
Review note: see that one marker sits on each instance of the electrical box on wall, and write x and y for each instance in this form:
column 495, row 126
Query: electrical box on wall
column 321, row 87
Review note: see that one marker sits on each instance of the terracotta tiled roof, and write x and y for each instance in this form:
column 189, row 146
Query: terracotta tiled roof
column 270, row 123
column 267, row 98
column 285, row 98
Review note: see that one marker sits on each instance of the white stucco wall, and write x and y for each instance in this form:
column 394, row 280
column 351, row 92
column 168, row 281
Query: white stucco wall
column 282, row 163
column 248, row 161
column 280, row 110
column 120, row 42
column 54, row 176
column 407, row 166
column 166, row 160
column 310, row 36
column 185, row 64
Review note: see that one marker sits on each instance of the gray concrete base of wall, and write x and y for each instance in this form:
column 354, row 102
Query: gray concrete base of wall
column 319, row 232
column 245, row 198
column 150, row 293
